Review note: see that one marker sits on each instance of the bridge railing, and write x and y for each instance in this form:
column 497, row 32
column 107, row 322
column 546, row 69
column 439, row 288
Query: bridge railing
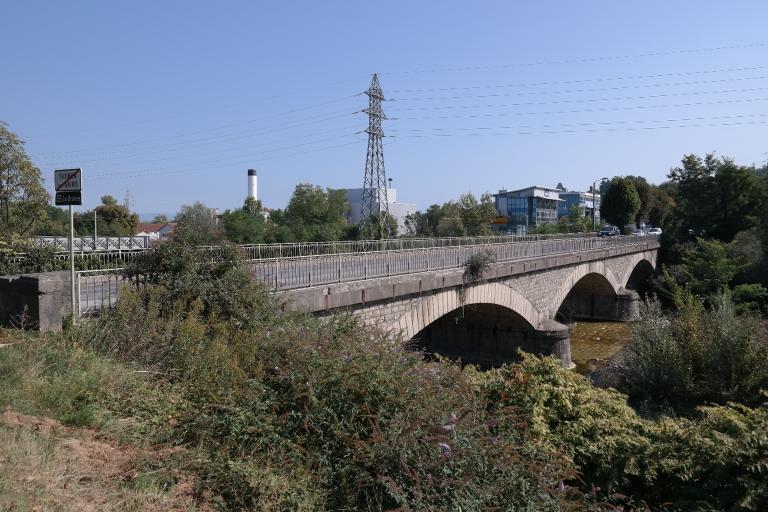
column 100, row 288
column 99, row 243
column 115, row 252
column 256, row 252
column 308, row 271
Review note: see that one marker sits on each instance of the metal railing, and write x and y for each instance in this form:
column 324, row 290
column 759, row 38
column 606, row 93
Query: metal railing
column 256, row 252
column 99, row 288
column 308, row 271
column 99, row 243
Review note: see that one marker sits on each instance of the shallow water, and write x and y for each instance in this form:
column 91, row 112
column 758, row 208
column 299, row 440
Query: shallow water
column 594, row 343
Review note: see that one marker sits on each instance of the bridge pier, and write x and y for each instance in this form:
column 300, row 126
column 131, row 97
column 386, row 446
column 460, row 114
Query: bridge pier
column 623, row 306
column 554, row 339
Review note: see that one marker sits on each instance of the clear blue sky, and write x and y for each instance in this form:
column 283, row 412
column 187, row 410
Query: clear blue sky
column 173, row 101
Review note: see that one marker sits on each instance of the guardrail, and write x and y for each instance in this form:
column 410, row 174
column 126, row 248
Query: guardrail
column 99, row 288
column 308, row 271
column 256, row 252
column 99, row 243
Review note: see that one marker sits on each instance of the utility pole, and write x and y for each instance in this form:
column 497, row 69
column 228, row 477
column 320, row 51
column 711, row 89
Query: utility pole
column 594, row 202
column 375, row 200
column 95, row 234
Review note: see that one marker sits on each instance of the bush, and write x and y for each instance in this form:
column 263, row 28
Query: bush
column 750, row 298
column 291, row 412
column 695, row 356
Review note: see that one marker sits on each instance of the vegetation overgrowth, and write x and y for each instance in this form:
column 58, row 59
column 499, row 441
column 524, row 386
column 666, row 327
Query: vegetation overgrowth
column 278, row 411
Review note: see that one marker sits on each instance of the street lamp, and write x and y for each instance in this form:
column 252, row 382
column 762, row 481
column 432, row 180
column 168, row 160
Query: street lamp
column 594, row 203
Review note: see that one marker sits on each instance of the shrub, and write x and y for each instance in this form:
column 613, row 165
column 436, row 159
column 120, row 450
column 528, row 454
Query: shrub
column 291, row 412
column 695, row 356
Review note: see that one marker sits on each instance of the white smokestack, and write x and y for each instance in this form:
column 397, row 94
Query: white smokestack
column 252, row 184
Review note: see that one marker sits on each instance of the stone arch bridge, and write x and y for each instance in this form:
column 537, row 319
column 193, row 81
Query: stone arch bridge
column 524, row 299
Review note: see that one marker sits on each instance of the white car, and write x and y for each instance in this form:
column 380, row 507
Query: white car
column 654, row 231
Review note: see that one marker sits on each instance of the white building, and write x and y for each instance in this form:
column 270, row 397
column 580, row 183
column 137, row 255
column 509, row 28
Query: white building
column 156, row 230
column 397, row 209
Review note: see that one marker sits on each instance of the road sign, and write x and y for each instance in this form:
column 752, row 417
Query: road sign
column 72, row 197
column 68, row 184
column 67, row 180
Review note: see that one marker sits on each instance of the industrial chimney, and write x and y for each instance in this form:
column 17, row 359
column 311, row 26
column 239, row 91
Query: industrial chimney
column 252, row 184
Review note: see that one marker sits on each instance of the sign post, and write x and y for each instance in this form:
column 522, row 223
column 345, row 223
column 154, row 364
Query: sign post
column 68, row 184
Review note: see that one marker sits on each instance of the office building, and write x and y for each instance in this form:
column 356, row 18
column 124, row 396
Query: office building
column 524, row 209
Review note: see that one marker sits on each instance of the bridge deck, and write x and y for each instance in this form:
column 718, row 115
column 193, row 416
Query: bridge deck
column 97, row 289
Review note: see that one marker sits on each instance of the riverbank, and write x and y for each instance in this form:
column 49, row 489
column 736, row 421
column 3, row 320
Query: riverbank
column 594, row 344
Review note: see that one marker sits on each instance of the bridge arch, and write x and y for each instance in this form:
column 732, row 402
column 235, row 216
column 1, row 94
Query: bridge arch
column 437, row 305
column 639, row 266
column 598, row 272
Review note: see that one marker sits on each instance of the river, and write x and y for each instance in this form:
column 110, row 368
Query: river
column 596, row 342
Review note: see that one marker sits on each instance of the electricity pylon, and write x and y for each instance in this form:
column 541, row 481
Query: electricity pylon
column 375, row 206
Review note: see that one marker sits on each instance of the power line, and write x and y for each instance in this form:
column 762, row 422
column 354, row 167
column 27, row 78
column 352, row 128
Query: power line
column 182, row 146
column 585, row 60
column 163, row 172
column 148, row 141
column 583, row 100
column 210, row 152
column 198, row 110
column 581, row 129
column 578, row 111
column 572, row 91
column 567, row 125
column 582, row 80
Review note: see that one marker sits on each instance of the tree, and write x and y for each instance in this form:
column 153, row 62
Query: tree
column 662, row 205
column 708, row 266
column 56, row 222
column 620, row 203
column 23, row 198
column 476, row 216
column 575, row 221
column 645, row 194
column 246, row 224
column 372, row 230
column 199, row 223
column 160, row 219
column 315, row 214
column 114, row 219
column 716, row 197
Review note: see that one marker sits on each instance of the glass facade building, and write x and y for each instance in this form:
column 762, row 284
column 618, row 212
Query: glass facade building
column 521, row 210
column 582, row 199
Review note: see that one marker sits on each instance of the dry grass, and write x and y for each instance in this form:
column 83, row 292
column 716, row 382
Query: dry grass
column 46, row 466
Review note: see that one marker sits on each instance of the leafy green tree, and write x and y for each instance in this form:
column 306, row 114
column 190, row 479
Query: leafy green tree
column 708, row 266
column 315, row 214
column 372, row 229
column 23, row 198
column 198, row 222
column 645, row 192
column 160, row 219
column 56, row 222
column 424, row 224
column 246, row 224
column 620, row 202
column 662, row 205
column 575, row 221
column 451, row 222
column 114, row 219
column 476, row 216
column 716, row 197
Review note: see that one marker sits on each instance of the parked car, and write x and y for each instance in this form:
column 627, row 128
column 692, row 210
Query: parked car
column 654, row 231
column 609, row 231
